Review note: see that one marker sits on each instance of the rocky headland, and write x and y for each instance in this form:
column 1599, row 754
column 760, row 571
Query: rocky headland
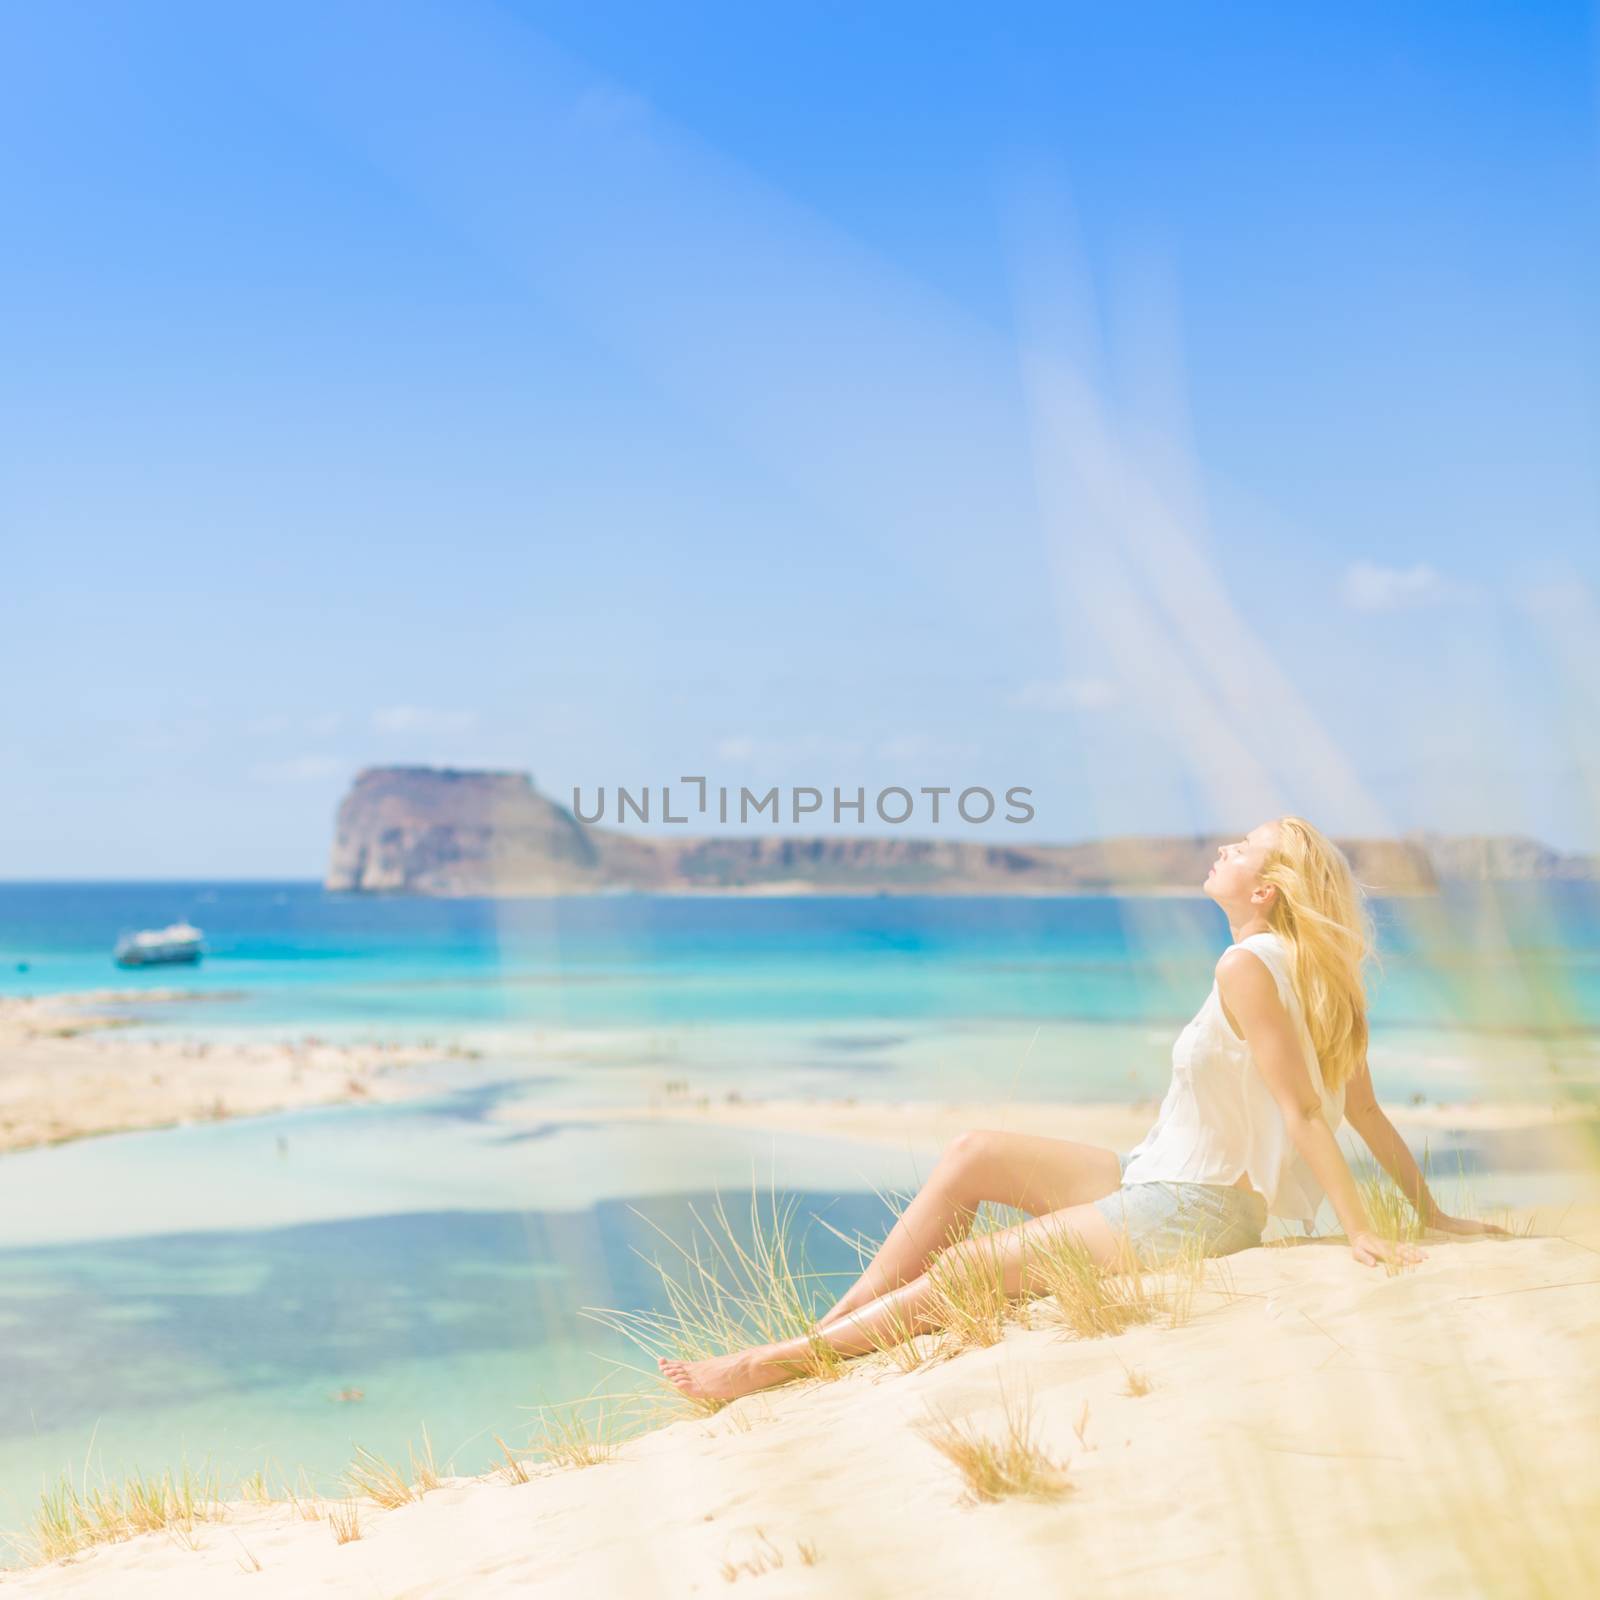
column 442, row 831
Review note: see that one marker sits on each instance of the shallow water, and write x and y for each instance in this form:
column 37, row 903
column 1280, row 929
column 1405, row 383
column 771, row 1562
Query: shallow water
column 206, row 1293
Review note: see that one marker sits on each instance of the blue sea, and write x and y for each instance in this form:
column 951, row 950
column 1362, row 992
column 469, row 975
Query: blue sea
column 207, row 1292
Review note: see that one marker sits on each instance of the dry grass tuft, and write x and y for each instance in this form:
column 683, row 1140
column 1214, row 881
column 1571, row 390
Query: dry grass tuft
column 379, row 1480
column 1081, row 1428
column 567, row 1436
column 1518, row 1227
column 1395, row 1219
column 972, row 1310
column 1092, row 1301
column 727, row 1295
column 254, row 1488
column 970, row 1307
column 995, row 1468
column 1137, row 1383
column 740, row 1416
column 1393, row 1216
column 1095, row 1302
column 763, row 1555
column 344, row 1521
column 1216, row 1275
column 424, row 1474
column 1185, row 1276
column 302, row 1501
column 513, row 1469
column 73, row 1517
column 903, row 1347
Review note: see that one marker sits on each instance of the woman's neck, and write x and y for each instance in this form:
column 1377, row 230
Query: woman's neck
column 1254, row 923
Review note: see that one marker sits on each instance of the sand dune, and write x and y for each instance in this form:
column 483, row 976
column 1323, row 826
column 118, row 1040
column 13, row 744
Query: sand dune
column 1318, row 1428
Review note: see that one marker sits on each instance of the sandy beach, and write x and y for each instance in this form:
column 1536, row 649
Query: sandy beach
column 69, row 1069
column 1316, row 1428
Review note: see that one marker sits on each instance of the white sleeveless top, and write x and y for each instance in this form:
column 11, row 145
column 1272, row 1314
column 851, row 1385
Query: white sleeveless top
column 1219, row 1118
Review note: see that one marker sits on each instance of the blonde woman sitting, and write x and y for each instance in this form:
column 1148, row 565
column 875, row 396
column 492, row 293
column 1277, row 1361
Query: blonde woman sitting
column 1272, row 1062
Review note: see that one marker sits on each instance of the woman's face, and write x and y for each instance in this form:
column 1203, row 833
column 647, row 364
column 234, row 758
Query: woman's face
column 1237, row 869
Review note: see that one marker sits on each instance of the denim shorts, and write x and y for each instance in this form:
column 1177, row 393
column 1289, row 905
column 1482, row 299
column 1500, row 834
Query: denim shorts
column 1163, row 1219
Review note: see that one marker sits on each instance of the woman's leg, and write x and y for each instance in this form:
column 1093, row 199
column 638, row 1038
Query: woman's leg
column 888, row 1317
column 1021, row 1170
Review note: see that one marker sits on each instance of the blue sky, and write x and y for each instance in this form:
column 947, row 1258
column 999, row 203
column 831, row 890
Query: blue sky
column 1188, row 414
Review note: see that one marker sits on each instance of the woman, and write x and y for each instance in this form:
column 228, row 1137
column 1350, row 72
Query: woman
column 1273, row 1060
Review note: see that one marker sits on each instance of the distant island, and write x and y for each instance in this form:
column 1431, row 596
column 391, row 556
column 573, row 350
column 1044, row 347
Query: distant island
column 442, row 831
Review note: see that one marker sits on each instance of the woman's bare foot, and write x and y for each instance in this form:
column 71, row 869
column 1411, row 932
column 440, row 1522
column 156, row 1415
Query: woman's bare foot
column 724, row 1377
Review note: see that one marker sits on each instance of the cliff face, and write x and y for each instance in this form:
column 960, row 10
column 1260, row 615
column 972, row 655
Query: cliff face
column 428, row 830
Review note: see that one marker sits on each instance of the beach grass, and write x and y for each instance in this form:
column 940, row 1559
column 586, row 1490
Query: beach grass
column 1519, row 1227
column 512, row 1468
column 1136, row 1384
column 72, row 1516
column 725, row 1294
column 582, row 1433
column 386, row 1484
column 997, row 1467
column 424, row 1473
column 904, row 1346
column 1394, row 1218
column 970, row 1307
column 1090, row 1301
column 344, row 1521
column 301, row 1499
column 733, row 1290
column 254, row 1488
column 762, row 1554
column 379, row 1480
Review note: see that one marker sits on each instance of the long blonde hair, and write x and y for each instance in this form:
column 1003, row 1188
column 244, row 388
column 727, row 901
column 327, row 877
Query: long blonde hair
column 1320, row 912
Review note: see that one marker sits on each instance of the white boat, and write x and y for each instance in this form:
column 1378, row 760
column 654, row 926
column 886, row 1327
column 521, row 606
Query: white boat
column 156, row 947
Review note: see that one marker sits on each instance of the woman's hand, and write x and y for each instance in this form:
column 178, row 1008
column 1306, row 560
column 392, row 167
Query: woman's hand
column 1369, row 1250
column 1467, row 1226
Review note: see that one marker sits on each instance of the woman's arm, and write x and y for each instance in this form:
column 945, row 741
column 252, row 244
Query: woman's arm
column 1365, row 1115
column 1251, row 996
column 1381, row 1137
